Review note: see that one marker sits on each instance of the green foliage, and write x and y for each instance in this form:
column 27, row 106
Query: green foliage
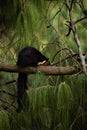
column 56, row 107
column 4, row 121
column 46, row 108
column 64, row 96
column 62, row 105
column 39, row 79
column 8, row 12
column 28, row 23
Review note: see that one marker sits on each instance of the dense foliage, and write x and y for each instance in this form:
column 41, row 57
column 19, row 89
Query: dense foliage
column 51, row 102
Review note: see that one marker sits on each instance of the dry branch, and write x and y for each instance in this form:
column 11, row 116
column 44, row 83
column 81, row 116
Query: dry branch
column 48, row 70
column 76, row 38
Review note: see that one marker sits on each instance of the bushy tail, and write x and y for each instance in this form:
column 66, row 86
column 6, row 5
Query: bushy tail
column 21, row 90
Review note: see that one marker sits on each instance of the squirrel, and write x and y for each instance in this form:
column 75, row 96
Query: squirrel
column 28, row 56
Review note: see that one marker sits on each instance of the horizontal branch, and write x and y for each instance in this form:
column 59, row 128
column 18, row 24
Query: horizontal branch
column 48, row 70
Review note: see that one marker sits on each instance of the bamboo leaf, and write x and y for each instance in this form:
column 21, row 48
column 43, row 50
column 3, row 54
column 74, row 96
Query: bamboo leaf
column 4, row 121
column 64, row 96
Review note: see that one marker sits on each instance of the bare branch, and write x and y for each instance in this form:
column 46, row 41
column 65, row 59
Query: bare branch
column 77, row 21
column 48, row 70
column 81, row 19
column 10, row 82
column 60, row 8
column 63, row 49
column 76, row 38
column 70, row 56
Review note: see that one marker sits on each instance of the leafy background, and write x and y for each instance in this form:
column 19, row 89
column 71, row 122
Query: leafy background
column 51, row 102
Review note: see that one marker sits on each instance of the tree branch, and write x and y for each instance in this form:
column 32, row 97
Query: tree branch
column 48, row 70
column 77, row 21
column 76, row 38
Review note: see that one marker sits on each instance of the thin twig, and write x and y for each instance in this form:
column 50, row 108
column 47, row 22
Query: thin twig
column 4, row 101
column 77, row 21
column 63, row 49
column 66, row 58
column 7, row 93
column 10, row 82
column 81, row 19
column 57, row 13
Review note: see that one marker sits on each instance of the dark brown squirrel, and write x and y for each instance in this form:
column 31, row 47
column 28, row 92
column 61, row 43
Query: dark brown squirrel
column 28, row 56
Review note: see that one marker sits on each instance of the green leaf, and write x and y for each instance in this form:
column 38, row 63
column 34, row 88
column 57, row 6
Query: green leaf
column 64, row 96
column 4, row 121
